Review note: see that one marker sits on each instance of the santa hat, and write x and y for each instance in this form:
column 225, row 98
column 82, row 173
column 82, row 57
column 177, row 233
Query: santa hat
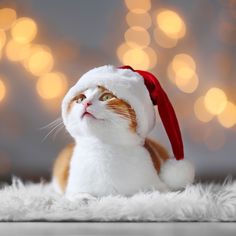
column 142, row 91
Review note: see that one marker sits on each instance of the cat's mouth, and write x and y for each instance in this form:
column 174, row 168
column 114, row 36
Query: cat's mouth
column 87, row 114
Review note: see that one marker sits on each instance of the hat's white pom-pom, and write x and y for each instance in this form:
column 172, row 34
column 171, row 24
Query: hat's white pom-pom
column 177, row 174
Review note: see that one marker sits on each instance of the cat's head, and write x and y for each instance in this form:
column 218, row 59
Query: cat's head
column 111, row 109
column 96, row 111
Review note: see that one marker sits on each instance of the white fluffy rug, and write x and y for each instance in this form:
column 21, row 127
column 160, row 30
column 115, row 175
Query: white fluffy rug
column 200, row 202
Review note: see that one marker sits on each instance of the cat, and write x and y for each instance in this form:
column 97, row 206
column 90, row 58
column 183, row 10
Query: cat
column 109, row 157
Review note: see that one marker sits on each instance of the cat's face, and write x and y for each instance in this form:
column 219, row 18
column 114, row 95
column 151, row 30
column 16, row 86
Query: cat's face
column 98, row 112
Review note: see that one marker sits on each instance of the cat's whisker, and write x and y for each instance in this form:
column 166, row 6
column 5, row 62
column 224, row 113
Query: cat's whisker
column 52, row 130
column 57, row 132
column 51, row 124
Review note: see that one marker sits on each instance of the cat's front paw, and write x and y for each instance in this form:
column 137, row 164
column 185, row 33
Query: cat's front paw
column 80, row 197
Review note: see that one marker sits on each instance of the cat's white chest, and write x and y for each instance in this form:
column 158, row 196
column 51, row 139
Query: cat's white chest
column 100, row 169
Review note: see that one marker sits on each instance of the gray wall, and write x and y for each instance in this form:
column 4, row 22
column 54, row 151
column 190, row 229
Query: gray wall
column 91, row 31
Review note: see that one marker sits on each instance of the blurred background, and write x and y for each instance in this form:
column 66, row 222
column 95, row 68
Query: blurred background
column 45, row 46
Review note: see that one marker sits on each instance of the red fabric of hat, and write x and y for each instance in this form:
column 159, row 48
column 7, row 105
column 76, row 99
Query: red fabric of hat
column 165, row 109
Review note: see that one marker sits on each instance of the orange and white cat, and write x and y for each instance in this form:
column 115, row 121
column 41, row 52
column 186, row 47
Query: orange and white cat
column 109, row 156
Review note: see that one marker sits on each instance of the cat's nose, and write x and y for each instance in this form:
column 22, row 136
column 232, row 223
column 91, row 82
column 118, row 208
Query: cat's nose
column 87, row 104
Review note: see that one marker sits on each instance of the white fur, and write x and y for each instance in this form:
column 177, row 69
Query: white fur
column 199, row 202
column 102, row 169
column 177, row 174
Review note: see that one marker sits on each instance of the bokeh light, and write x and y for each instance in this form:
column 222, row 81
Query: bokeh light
column 7, row 18
column 215, row 101
column 152, row 55
column 121, row 50
column 183, row 60
column 136, row 58
column 187, row 84
column 40, row 61
column 138, row 6
column 171, row 24
column 2, row 90
column 163, row 40
column 228, row 117
column 142, row 19
column 24, row 30
column 51, row 85
column 137, row 37
column 200, row 110
column 181, row 71
column 16, row 51
column 2, row 39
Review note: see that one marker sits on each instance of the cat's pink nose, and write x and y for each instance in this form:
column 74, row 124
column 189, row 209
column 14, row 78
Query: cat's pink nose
column 87, row 104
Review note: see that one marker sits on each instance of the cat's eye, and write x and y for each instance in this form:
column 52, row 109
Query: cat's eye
column 106, row 97
column 80, row 98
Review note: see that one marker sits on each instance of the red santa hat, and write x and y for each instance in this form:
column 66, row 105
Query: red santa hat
column 142, row 91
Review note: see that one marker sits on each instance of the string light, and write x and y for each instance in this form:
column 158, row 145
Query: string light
column 171, row 24
column 152, row 57
column 181, row 71
column 40, row 61
column 200, row 110
column 163, row 40
column 142, row 19
column 2, row 90
column 7, row 18
column 2, row 39
column 187, row 84
column 138, row 6
column 24, row 30
column 228, row 117
column 51, row 85
column 183, row 60
column 136, row 58
column 137, row 37
column 16, row 51
column 215, row 101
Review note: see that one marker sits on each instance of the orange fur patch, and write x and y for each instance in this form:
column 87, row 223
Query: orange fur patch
column 157, row 152
column 62, row 165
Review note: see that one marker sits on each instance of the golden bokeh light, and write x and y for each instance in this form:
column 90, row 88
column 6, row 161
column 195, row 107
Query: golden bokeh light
column 171, row 73
column 163, row 40
column 142, row 19
column 187, row 84
column 228, row 117
column 51, row 85
column 40, row 62
column 183, row 60
column 215, row 101
column 24, row 30
column 152, row 57
column 140, row 5
column 181, row 71
column 171, row 24
column 185, row 73
column 2, row 90
column 121, row 50
column 7, row 18
column 2, row 39
column 136, row 58
column 137, row 37
column 201, row 112
column 16, row 51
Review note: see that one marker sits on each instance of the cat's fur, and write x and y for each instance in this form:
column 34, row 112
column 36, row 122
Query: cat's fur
column 108, row 156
